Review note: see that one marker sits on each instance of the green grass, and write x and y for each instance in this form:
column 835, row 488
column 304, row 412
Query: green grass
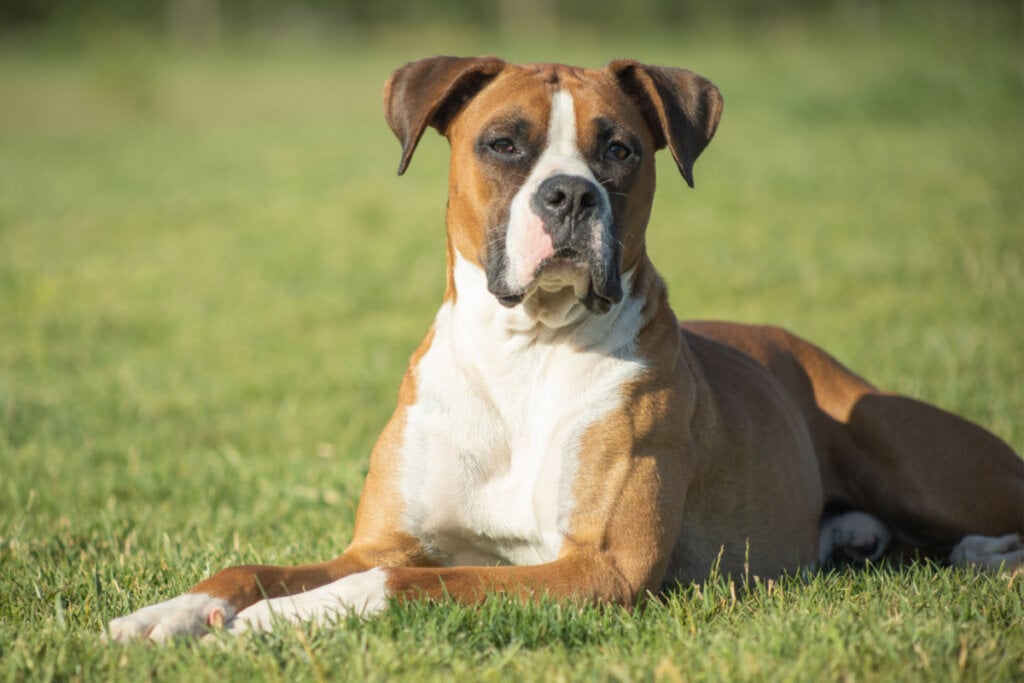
column 210, row 281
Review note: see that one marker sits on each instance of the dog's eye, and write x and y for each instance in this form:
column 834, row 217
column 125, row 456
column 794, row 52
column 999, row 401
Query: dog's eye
column 617, row 151
column 504, row 146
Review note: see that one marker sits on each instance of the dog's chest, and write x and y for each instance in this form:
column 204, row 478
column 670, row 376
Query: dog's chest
column 492, row 443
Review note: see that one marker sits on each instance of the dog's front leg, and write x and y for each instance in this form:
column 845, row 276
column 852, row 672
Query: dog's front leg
column 215, row 601
column 585, row 577
column 624, row 526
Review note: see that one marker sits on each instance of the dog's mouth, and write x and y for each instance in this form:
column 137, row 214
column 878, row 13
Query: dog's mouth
column 567, row 276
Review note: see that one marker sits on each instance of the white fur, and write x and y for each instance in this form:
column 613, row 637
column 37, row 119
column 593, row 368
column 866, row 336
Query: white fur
column 502, row 401
column 853, row 531
column 560, row 156
column 989, row 552
column 364, row 594
column 185, row 615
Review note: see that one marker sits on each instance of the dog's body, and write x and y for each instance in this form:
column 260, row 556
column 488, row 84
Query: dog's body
column 558, row 432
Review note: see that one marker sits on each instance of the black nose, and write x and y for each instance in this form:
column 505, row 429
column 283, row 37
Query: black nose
column 564, row 201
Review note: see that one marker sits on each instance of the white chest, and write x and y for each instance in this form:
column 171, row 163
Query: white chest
column 491, row 444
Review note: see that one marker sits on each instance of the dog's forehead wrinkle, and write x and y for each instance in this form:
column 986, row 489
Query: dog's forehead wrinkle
column 513, row 119
column 553, row 74
column 607, row 127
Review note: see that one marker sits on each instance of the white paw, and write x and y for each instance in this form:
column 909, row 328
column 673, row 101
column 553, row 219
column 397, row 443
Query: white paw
column 989, row 552
column 188, row 615
column 852, row 537
column 364, row 594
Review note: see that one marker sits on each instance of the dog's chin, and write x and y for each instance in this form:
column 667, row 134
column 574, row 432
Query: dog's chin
column 563, row 288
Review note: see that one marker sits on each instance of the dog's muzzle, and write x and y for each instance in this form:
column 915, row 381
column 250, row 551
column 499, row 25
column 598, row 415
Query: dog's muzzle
column 575, row 214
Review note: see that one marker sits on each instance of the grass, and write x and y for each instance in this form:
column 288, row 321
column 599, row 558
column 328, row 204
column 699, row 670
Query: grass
column 210, row 280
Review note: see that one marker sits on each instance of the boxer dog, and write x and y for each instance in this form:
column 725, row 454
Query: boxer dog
column 559, row 432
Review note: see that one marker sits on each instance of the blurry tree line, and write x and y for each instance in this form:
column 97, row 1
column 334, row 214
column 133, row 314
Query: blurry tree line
column 204, row 20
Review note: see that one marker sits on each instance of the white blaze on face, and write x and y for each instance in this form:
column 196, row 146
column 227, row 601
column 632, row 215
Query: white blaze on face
column 526, row 242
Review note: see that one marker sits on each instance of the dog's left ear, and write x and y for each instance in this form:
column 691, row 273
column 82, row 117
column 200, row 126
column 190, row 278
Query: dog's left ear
column 430, row 92
column 681, row 108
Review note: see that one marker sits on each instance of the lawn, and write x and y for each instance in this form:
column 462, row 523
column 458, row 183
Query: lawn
column 211, row 279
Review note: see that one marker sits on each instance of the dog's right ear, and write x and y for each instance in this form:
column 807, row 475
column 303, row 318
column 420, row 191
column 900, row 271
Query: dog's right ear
column 430, row 92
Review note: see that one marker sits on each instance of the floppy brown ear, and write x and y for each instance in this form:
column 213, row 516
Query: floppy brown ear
column 430, row 92
column 681, row 108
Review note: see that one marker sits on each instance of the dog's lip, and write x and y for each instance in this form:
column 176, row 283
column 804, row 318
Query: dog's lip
column 587, row 292
column 562, row 261
column 560, row 270
column 510, row 300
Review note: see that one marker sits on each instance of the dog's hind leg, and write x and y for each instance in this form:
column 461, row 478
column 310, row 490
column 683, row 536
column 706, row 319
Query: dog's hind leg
column 930, row 476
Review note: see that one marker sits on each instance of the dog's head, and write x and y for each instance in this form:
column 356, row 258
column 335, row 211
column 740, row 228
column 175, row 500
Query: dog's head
column 552, row 167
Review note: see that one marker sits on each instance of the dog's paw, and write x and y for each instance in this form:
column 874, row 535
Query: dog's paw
column 989, row 552
column 188, row 615
column 852, row 537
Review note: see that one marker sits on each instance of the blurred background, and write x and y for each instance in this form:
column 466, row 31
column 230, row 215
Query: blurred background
column 207, row 21
column 209, row 271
